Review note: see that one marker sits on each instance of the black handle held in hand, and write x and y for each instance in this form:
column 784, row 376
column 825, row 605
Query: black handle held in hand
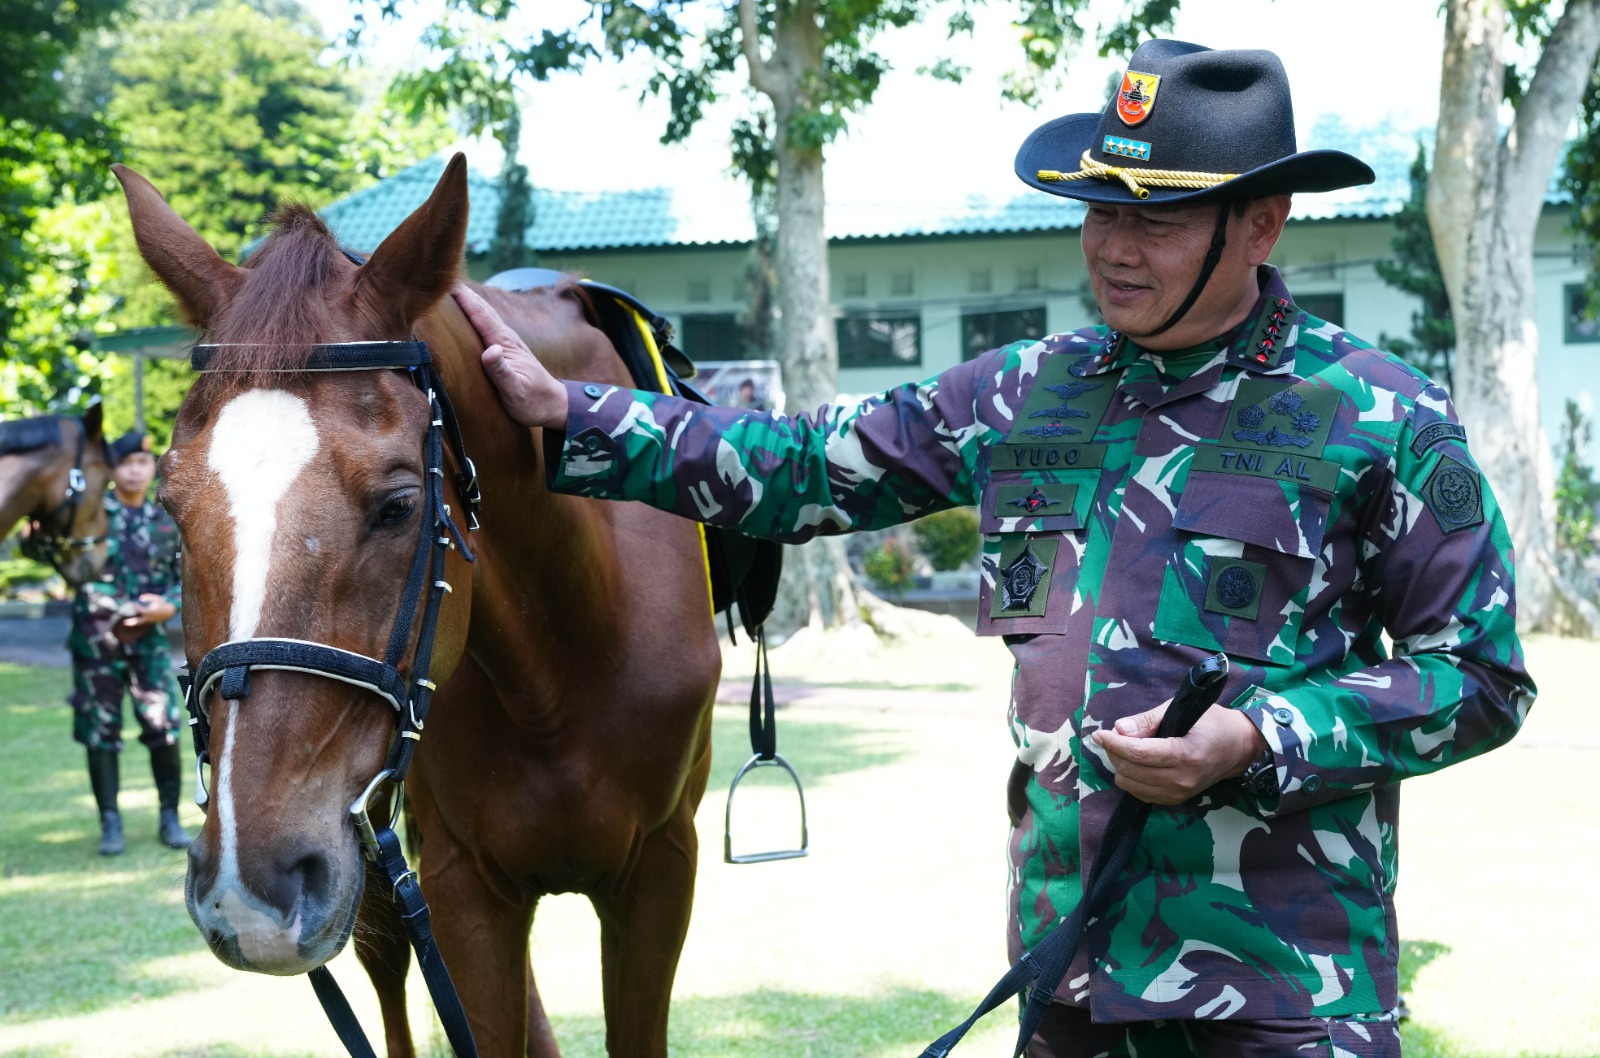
column 1040, row 971
column 1198, row 692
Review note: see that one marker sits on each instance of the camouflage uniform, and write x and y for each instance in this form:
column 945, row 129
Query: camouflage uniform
column 142, row 558
column 1286, row 501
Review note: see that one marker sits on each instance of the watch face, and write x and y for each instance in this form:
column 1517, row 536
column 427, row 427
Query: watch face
column 1260, row 779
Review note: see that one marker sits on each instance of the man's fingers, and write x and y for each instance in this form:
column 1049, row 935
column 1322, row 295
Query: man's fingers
column 484, row 319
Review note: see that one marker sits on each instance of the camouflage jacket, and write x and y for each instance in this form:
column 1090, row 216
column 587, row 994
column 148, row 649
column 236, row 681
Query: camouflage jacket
column 1289, row 499
column 142, row 557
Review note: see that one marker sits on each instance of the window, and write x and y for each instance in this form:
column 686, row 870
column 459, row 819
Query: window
column 712, row 336
column 1028, row 277
column 1577, row 327
column 1328, row 307
column 901, row 285
column 980, row 281
column 982, row 331
column 855, row 285
column 879, row 340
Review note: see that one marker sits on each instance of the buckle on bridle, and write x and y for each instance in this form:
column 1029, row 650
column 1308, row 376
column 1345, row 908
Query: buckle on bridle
column 359, row 814
column 76, row 484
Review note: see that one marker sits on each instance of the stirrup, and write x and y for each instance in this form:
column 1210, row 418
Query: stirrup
column 757, row 761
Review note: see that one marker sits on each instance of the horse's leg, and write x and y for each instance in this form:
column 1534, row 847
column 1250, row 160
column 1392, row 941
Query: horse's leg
column 483, row 938
column 541, row 1039
column 385, row 954
column 643, row 922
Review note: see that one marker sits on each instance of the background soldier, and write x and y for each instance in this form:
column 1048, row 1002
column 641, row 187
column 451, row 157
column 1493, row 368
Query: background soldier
column 118, row 646
column 1213, row 470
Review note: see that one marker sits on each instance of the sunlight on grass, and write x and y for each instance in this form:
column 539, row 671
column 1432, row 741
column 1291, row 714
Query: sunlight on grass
column 880, row 940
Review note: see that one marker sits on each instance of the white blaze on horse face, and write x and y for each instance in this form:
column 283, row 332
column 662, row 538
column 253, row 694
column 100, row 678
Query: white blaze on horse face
column 261, row 441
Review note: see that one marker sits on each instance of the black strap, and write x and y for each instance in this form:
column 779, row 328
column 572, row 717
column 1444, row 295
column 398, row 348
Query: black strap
column 1219, row 237
column 337, row 356
column 763, row 733
column 1041, row 970
column 413, row 911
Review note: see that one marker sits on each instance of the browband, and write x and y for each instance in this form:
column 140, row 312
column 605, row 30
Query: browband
column 338, row 356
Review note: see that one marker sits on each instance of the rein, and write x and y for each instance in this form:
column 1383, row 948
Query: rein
column 53, row 548
column 227, row 668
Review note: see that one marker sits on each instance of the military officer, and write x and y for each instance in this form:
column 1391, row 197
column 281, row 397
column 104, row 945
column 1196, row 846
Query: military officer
column 118, row 646
column 1261, row 481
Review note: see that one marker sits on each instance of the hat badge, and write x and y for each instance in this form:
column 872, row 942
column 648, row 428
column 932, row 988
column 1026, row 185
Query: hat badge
column 1136, row 96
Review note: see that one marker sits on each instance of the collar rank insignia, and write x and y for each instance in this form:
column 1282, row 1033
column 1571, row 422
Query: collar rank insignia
column 1020, row 580
column 1033, row 501
column 1136, row 96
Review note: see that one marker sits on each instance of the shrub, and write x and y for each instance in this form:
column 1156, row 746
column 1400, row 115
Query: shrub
column 888, row 567
column 949, row 539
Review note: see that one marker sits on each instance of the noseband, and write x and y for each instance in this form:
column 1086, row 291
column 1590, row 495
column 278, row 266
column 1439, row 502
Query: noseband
column 54, row 548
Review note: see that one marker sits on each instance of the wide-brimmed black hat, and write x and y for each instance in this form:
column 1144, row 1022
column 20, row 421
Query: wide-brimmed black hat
column 1186, row 124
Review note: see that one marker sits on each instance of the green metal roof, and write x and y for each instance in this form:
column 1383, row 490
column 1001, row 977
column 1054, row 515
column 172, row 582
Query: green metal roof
column 662, row 216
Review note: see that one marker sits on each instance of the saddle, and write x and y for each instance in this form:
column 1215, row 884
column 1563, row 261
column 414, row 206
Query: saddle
column 744, row 570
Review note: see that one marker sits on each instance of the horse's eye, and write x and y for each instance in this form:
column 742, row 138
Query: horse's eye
column 396, row 509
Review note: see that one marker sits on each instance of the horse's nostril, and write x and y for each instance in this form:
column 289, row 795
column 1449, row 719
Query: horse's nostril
column 314, row 875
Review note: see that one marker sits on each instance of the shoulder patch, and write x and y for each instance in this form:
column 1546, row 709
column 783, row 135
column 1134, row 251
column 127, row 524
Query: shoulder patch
column 1454, row 493
column 1433, row 433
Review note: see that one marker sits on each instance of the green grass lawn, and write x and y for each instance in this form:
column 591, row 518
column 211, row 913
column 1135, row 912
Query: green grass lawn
column 879, row 941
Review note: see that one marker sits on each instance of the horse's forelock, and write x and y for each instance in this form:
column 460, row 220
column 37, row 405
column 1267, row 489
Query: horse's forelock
column 282, row 308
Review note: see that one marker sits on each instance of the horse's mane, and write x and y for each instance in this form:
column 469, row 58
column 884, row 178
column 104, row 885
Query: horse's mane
column 276, row 317
column 24, row 435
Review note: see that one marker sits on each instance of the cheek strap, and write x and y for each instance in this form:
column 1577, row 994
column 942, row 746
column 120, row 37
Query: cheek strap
column 1219, row 238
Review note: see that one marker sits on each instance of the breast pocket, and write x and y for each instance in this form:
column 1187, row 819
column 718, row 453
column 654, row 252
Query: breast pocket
column 1033, row 536
column 1242, row 564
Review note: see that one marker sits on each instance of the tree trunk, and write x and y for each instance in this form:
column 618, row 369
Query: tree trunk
column 818, row 588
column 1484, row 199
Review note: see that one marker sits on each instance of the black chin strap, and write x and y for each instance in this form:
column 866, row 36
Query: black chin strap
column 1219, row 238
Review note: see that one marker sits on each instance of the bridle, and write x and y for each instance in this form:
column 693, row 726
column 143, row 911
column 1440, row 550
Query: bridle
column 227, row 667
column 46, row 542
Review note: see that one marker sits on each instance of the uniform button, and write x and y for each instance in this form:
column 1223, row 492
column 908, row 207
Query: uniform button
column 591, row 390
column 1311, row 784
column 1283, row 716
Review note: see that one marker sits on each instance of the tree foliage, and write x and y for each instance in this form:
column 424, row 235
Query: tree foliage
column 46, row 148
column 1415, row 270
column 230, row 108
column 1577, row 491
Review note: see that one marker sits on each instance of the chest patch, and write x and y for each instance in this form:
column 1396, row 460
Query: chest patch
column 1276, row 431
column 1234, row 587
column 1062, row 409
column 1022, row 587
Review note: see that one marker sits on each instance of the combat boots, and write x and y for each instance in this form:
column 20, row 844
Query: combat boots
column 103, row 780
column 165, row 768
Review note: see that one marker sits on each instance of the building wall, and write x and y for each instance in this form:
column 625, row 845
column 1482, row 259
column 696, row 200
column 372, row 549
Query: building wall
column 936, row 280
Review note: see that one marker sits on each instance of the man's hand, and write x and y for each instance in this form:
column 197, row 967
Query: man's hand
column 1169, row 771
column 530, row 394
column 153, row 610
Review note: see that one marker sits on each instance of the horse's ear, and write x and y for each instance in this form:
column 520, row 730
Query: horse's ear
column 201, row 281
column 415, row 267
column 93, row 423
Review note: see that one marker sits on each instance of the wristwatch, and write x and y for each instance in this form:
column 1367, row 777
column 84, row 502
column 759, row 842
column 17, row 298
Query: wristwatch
column 1260, row 777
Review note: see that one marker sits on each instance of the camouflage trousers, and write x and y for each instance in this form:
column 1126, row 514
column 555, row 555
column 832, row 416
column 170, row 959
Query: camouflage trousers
column 1067, row 1032
column 108, row 671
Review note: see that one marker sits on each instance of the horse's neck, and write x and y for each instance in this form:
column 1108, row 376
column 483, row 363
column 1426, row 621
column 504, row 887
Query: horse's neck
column 545, row 560
column 22, row 485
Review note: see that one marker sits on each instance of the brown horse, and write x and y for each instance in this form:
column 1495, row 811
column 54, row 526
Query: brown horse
column 571, row 744
column 54, row 471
